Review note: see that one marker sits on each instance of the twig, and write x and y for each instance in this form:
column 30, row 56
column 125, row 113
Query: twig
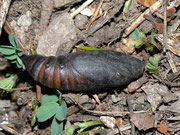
column 115, row 114
column 177, row 118
column 97, row 99
column 169, row 57
column 171, row 62
column 29, row 47
column 165, row 25
column 8, row 28
column 27, row 131
column 38, row 92
column 141, row 18
column 166, row 82
column 83, row 6
column 10, row 130
column 117, row 7
column 16, row 89
column 95, row 14
column 131, row 114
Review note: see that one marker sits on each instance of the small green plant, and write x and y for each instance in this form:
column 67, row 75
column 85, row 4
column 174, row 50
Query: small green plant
column 152, row 66
column 8, row 83
column 88, row 48
column 52, row 106
column 140, row 40
column 36, row 106
column 83, row 126
column 13, row 53
column 126, row 9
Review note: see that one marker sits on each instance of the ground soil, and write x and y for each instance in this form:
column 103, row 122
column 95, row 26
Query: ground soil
column 158, row 96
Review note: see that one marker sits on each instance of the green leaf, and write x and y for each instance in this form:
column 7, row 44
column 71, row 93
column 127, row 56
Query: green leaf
column 36, row 106
column 23, row 67
column 18, row 65
column 16, row 43
column 94, row 132
column 7, row 50
column 12, row 40
column 153, row 41
column 19, row 61
column 154, row 61
column 13, row 61
column 33, row 51
column 11, row 57
column 87, row 48
column 70, row 130
column 138, row 43
column 82, row 126
column 88, row 124
column 137, row 34
column 48, row 98
column 7, row 46
column 152, row 66
column 56, row 127
column 46, row 111
column 126, row 8
column 141, row 34
column 61, row 112
column 150, row 48
column 9, row 82
column 20, row 53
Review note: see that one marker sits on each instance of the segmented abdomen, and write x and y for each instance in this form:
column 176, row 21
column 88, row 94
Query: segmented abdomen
column 55, row 72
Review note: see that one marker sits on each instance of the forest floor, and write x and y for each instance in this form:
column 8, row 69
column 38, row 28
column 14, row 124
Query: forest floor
column 145, row 29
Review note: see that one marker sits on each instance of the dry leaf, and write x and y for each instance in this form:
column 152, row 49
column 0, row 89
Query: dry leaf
column 161, row 127
column 143, row 121
column 118, row 122
column 156, row 94
column 137, row 84
column 127, row 46
column 77, row 98
column 99, row 107
column 171, row 11
column 159, row 27
column 147, row 3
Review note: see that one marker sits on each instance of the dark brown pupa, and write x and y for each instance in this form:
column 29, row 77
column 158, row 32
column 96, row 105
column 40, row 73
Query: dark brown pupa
column 86, row 70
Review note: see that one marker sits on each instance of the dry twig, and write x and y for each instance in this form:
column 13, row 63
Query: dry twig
column 10, row 130
column 169, row 56
column 105, row 113
column 141, row 18
column 83, row 6
column 38, row 92
column 131, row 114
column 95, row 15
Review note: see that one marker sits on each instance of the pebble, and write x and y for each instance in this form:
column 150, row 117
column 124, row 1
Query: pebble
column 58, row 37
column 81, row 21
column 5, row 104
column 115, row 98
